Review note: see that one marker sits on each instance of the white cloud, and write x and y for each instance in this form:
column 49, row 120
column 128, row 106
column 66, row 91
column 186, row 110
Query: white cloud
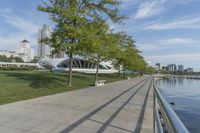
column 20, row 28
column 179, row 41
column 148, row 4
column 186, row 22
column 169, row 43
column 177, row 57
column 18, row 22
column 147, row 46
column 150, row 8
column 11, row 41
column 128, row 4
column 184, row 1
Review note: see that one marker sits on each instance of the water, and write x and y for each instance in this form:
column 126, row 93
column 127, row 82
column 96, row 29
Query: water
column 186, row 95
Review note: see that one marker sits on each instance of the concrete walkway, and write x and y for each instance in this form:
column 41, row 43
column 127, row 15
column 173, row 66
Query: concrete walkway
column 120, row 107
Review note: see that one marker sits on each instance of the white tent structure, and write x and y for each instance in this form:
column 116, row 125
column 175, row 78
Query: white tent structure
column 62, row 65
column 79, row 65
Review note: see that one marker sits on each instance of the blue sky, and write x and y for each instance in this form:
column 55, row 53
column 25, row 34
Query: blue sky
column 166, row 31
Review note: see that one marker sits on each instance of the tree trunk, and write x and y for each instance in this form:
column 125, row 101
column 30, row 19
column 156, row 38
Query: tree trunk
column 124, row 73
column 70, row 70
column 52, row 55
column 118, row 72
column 97, row 70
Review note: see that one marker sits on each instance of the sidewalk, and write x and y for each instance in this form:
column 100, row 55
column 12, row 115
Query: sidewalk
column 123, row 106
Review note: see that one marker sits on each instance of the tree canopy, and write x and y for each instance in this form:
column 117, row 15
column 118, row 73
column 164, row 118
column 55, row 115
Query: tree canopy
column 3, row 58
column 71, row 18
column 81, row 28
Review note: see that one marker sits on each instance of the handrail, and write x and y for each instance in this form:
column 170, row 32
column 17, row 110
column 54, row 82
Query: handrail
column 169, row 121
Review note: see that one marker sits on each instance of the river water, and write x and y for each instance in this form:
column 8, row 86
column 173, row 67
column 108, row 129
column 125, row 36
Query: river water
column 185, row 93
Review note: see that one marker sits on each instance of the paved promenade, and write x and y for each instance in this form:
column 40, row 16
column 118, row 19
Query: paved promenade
column 120, row 107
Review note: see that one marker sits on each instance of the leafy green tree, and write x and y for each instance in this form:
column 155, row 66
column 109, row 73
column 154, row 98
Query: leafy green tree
column 100, row 43
column 150, row 70
column 129, row 56
column 55, row 43
column 3, row 58
column 71, row 18
column 35, row 60
column 18, row 59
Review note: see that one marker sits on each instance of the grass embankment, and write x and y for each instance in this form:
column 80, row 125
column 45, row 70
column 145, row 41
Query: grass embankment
column 21, row 85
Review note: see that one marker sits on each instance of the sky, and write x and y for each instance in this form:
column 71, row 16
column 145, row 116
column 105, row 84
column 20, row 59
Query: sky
column 166, row 31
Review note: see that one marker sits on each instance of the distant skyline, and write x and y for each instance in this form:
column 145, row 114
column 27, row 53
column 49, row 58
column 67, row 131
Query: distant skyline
column 166, row 31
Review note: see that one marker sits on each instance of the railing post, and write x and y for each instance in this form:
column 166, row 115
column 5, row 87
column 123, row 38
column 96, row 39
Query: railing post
column 154, row 109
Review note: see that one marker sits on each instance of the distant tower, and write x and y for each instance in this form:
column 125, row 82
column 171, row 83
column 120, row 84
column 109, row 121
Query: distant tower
column 172, row 67
column 43, row 48
column 24, row 51
column 158, row 66
column 180, row 68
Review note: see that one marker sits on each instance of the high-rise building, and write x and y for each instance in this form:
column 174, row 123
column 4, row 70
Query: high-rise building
column 24, row 51
column 189, row 70
column 180, row 68
column 171, row 67
column 44, row 49
column 164, row 68
column 158, row 66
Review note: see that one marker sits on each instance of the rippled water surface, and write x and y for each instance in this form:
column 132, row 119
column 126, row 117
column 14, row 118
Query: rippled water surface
column 186, row 95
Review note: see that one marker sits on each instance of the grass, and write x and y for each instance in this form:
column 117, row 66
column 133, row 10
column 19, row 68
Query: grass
column 21, row 85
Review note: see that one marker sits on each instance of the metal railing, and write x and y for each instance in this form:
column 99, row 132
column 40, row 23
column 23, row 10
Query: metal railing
column 165, row 119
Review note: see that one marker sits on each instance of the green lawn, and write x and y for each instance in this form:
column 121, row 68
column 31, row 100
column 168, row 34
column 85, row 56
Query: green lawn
column 21, row 85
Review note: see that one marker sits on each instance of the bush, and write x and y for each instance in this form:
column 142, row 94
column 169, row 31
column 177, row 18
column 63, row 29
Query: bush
column 13, row 68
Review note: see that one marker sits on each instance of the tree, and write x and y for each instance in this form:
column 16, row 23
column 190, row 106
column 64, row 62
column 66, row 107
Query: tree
column 150, row 70
column 10, row 59
column 99, row 43
column 56, row 44
column 18, row 59
column 136, row 62
column 128, row 57
column 3, row 58
column 71, row 17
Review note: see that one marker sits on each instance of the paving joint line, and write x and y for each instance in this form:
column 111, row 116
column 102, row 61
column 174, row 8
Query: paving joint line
column 103, row 127
column 87, row 116
column 110, row 125
column 141, row 116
